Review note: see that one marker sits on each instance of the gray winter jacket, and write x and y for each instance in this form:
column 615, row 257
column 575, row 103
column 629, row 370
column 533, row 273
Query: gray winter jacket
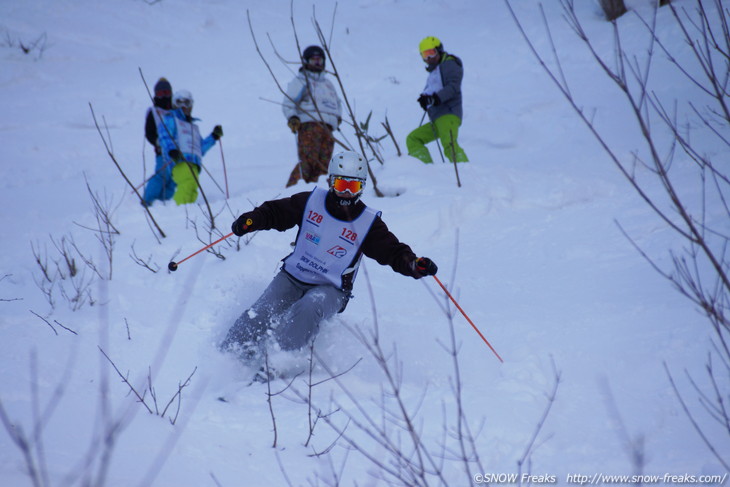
column 444, row 80
column 298, row 100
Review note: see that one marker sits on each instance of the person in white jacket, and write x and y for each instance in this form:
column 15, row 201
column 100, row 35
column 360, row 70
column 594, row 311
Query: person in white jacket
column 313, row 110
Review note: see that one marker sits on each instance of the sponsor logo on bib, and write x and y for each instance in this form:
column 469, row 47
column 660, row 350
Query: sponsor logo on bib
column 312, row 237
column 338, row 251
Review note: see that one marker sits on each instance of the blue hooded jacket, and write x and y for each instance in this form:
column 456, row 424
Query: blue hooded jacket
column 169, row 137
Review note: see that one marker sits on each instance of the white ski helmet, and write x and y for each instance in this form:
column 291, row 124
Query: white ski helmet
column 182, row 98
column 347, row 174
column 348, row 164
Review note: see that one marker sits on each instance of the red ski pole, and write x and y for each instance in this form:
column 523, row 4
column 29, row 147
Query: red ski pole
column 173, row 265
column 467, row 318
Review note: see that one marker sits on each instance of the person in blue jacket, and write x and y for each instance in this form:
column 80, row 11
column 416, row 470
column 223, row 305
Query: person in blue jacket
column 183, row 147
column 160, row 186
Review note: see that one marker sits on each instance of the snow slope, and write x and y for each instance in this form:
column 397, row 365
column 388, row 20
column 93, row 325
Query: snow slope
column 529, row 244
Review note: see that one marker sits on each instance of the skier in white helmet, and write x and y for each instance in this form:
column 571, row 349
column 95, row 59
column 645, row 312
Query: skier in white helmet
column 335, row 230
column 183, row 147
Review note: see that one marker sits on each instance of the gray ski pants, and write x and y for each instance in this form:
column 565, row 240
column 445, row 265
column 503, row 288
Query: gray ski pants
column 290, row 310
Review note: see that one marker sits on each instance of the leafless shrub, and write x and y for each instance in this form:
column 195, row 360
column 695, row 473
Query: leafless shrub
column 362, row 139
column 77, row 291
column 323, row 40
column 110, row 151
column 715, row 405
column 389, row 130
column 88, row 261
column 390, row 436
column 41, row 259
column 104, row 209
column 314, row 415
column 47, row 280
column 151, row 405
column 35, row 48
column 69, row 270
column 306, row 396
column 46, row 321
column 699, row 271
column 146, row 263
column 8, row 299
column 30, row 440
column 525, row 461
column 403, row 456
column 74, row 285
column 55, row 321
column 375, row 141
column 47, row 289
column 105, row 231
column 95, row 457
column 268, row 375
column 210, row 233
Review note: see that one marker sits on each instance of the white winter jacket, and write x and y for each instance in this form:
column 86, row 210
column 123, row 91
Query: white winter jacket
column 298, row 102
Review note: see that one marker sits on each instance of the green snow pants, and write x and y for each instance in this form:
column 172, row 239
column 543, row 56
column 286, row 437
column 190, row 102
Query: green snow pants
column 187, row 182
column 445, row 128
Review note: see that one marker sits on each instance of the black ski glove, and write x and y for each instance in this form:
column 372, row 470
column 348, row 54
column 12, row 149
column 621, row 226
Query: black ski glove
column 426, row 100
column 217, row 132
column 243, row 224
column 423, row 266
column 175, row 155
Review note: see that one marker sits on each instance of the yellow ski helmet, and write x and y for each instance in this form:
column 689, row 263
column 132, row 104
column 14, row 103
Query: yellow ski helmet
column 430, row 42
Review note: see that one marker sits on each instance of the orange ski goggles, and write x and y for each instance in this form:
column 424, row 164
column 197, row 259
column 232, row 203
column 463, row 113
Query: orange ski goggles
column 343, row 185
column 429, row 54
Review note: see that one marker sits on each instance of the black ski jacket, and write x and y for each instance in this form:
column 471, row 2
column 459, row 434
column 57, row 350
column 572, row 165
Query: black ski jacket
column 380, row 244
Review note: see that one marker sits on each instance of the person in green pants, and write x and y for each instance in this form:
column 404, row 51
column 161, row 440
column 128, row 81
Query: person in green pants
column 182, row 145
column 441, row 99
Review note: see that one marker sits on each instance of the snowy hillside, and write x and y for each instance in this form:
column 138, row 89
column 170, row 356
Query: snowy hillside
column 529, row 244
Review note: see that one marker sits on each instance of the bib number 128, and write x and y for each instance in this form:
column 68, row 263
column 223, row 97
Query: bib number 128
column 314, row 217
column 349, row 234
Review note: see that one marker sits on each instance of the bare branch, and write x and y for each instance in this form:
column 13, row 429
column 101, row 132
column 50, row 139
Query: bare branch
column 140, row 397
column 696, row 426
column 121, row 171
column 150, row 266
